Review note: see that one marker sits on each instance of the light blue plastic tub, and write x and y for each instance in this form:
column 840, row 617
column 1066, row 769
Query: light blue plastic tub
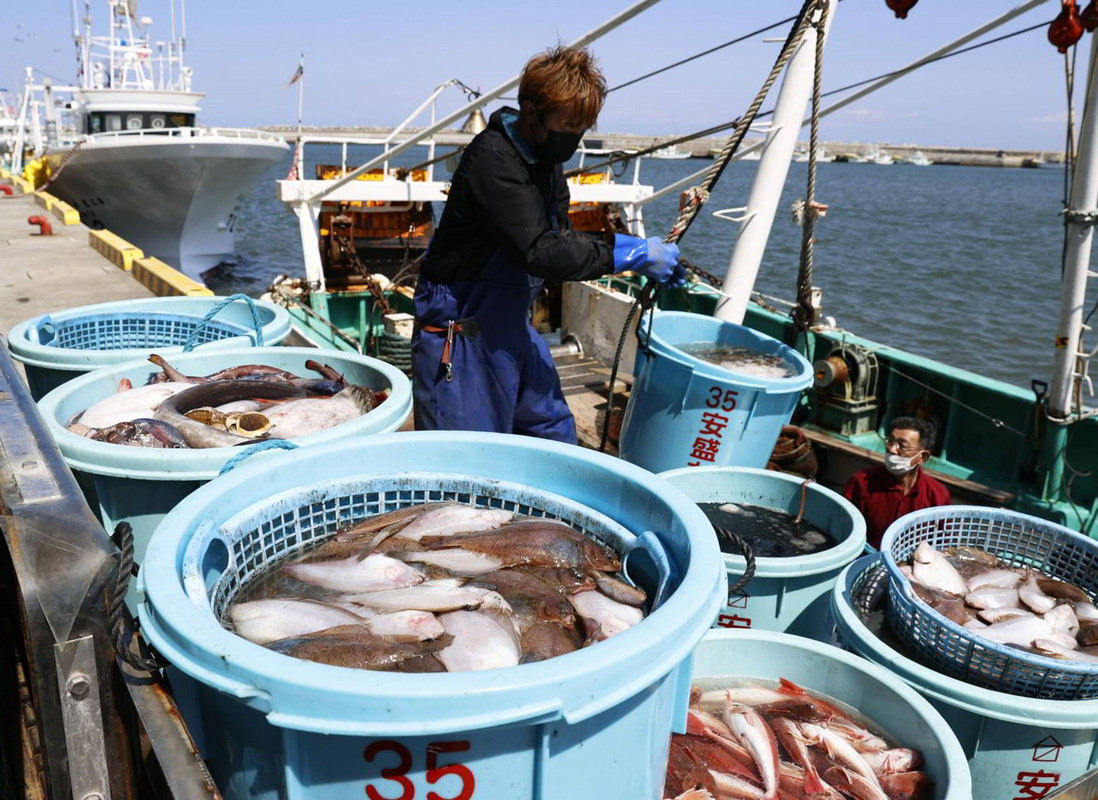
column 896, row 711
column 590, row 724
column 786, row 594
column 1016, row 746
column 686, row 412
column 140, row 485
column 55, row 348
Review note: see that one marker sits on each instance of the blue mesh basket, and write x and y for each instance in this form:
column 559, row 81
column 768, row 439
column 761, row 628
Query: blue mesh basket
column 1020, row 541
column 136, row 330
column 277, row 527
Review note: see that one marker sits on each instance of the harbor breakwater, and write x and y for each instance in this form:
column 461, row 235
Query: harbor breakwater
column 705, row 147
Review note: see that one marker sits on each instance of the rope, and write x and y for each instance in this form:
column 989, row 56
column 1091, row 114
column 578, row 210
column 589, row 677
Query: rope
column 396, row 350
column 119, row 620
column 270, row 444
column 804, row 315
column 748, row 555
column 690, row 212
column 192, row 340
column 698, row 195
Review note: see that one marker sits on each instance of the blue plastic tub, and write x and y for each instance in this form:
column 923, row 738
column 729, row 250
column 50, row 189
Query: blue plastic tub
column 1017, row 747
column 896, row 711
column 1021, row 541
column 590, row 724
column 786, row 594
column 685, row 412
column 55, row 348
column 140, row 485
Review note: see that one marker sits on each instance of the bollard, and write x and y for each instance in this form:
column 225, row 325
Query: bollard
column 44, row 227
column 5, row 190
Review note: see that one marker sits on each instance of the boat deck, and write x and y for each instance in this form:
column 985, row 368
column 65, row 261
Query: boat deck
column 40, row 274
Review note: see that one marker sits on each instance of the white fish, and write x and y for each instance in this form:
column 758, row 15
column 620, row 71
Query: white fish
column 610, row 616
column 480, row 642
column 239, row 406
column 993, row 615
column 452, row 519
column 995, row 578
column 734, row 787
column 974, row 625
column 934, row 571
column 717, row 700
column 1062, row 618
column 1030, row 594
column 992, row 597
column 131, row 404
column 1019, row 630
column 898, row 759
column 311, row 414
column 1056, row 650
column 263, row 621
column 373, row 573
column 423, row 597
column 409, row 626
column 1086, row 612
column 753, row 733
column 456, row 560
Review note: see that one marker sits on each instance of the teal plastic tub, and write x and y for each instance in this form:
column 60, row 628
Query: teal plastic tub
column 895, row 710
column 786, row 594
column 140, row 485
column 590, row 724
column 1017, row 747
column 685, row 412
column 55, row 348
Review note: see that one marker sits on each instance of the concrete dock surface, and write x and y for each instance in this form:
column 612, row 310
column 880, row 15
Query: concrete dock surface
column 41, row 274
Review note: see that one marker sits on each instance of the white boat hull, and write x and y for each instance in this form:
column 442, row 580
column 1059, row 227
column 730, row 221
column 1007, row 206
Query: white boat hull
column 175, row 198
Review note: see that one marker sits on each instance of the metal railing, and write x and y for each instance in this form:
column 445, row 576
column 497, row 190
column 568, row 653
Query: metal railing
column 198, row 132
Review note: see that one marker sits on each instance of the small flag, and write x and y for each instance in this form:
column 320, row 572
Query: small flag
column 298, row 73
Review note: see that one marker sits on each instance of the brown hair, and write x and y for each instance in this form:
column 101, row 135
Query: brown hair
column 564, row 79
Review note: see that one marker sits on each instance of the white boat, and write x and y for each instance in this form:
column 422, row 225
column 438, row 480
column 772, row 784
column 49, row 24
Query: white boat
column 918, row 158
column 129, row 156
column 671, row 151
column 877, row 156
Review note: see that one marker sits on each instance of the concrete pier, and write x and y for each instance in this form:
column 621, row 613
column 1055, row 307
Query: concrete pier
column 40, row 274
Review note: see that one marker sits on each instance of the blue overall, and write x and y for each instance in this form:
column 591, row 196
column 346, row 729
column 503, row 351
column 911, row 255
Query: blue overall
column 504, row 379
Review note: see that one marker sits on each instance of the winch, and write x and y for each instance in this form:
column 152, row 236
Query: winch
column 846, row 389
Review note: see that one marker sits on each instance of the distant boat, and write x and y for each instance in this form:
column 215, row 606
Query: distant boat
column 801, row 156
column 877, row 157
column 671, row 151
column 918, row 159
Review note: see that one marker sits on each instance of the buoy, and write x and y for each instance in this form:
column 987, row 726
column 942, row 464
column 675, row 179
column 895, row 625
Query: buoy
column 1067, row 28
column 1089, row 16
column 901, row 7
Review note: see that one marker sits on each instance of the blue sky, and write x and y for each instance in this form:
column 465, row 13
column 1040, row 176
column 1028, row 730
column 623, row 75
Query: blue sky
column 371, row 63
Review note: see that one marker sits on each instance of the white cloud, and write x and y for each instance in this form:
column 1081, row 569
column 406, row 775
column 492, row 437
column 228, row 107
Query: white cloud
column 878, row 114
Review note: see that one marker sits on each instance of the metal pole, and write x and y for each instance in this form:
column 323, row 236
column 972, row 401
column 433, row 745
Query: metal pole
column 766, row 191
column 467, row 109
column 1067, row 364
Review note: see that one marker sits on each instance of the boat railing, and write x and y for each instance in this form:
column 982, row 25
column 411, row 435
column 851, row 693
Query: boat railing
column 200, row 132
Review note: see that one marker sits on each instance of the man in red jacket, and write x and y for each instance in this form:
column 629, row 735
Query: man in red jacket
column 884, row 494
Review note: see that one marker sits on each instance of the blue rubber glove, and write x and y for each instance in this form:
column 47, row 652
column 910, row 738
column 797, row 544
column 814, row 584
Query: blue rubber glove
column 650, row 257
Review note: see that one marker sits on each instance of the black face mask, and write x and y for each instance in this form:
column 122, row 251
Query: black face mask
column 558, row 146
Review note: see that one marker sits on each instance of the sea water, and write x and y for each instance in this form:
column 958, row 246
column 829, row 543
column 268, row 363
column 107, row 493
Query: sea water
column 957, row 264
column 770, row 533
column 740, row 360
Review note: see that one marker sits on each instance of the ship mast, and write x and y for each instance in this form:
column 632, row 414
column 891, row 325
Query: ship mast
column 1071, row 360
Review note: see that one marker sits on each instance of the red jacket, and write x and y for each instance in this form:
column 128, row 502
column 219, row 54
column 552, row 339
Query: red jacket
column 882, row 500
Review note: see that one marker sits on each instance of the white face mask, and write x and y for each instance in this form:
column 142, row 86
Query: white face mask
column 900, row 465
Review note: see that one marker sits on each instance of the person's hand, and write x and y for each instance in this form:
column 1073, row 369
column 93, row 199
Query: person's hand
column 650, row 257
column 679, row 278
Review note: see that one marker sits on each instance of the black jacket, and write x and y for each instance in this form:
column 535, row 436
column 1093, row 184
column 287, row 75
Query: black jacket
column 500, row 201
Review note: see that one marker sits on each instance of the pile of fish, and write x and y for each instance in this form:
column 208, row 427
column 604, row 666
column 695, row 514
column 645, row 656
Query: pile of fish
column 440, row 587
column 755, row 742
column 1004, row 604
column 741, row 360
column 769, row 532
column 232, row 406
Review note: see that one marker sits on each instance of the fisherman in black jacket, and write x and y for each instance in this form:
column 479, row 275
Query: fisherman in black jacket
column 478, row 364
